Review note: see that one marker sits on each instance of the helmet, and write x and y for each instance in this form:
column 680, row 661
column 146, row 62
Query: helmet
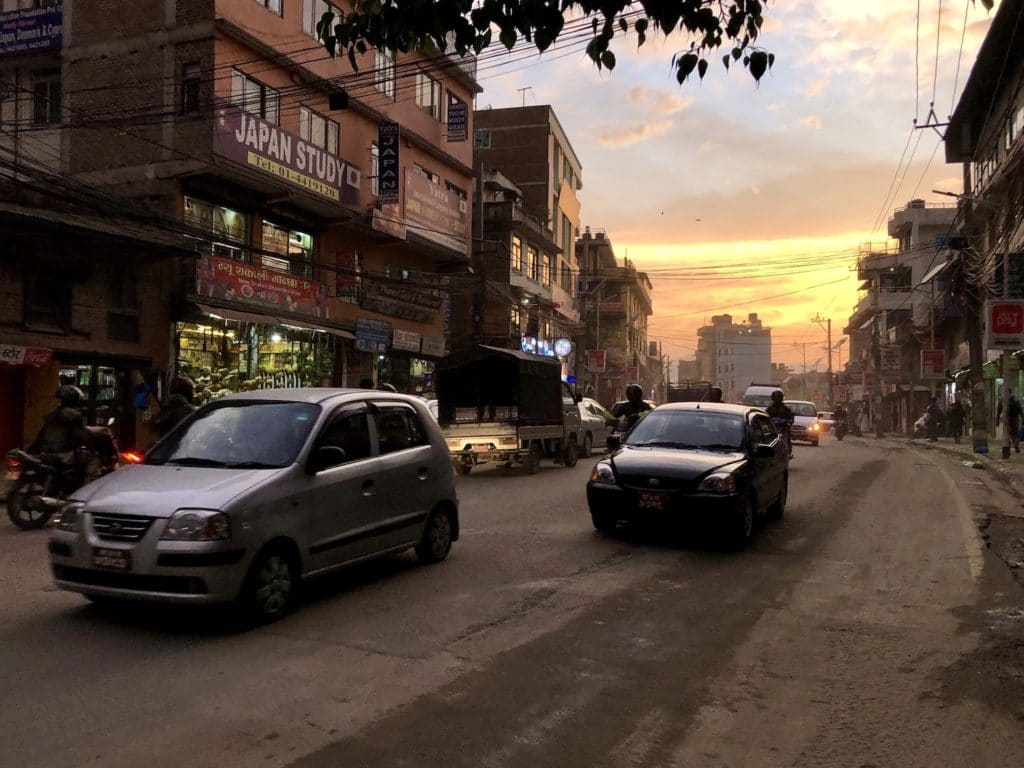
column 70, row 396
column 777, row 396
column 385, row 387
column 182, row 385
column 634, row 393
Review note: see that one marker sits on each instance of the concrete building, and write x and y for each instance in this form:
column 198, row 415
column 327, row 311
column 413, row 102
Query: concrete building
column 733, row 355
column 615, row 305
column 320, row 245
column 528, row 147
column 686, row 370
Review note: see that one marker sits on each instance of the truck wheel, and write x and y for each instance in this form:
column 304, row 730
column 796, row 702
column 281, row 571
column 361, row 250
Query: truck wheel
column 464, row 467
column 533, row 458
column 571, row 452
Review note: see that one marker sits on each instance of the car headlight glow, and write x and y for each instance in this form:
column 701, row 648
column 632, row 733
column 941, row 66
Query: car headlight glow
column 603, row 473
column 198, row 525
column 721, row 482
column 69, row 517
column 815, row 427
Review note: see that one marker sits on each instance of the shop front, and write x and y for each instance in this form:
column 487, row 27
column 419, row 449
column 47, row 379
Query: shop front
column 16, row 363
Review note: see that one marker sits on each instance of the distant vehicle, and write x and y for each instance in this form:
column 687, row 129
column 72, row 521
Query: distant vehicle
column 258, row 491
column 827, row 420
column 597, row 425
column 688, row 392
column 686, row 462
column 760, row 395
column 805, row 427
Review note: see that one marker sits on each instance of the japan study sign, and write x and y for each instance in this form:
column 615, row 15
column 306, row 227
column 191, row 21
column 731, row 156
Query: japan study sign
column 1004, row 324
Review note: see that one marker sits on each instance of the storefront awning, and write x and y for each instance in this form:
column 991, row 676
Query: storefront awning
column 250, row 317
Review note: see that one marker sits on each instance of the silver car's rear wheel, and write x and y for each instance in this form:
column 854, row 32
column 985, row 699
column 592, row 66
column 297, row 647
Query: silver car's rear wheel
column 437, row 538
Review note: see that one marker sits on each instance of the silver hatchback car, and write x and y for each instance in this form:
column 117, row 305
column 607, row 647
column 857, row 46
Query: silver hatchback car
column 257, row 491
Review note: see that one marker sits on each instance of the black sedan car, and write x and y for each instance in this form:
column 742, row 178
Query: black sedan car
column 690, row 462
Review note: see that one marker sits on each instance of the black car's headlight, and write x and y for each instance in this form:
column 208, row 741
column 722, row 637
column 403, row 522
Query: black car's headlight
column 603, row 474
column 720, row 482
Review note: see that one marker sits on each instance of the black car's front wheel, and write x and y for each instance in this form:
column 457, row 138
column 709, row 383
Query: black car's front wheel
column 776, row 510
column 741, row 527
column 604, row 522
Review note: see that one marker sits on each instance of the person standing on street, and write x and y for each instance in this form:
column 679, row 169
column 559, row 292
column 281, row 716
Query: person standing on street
column 956, row 416
column 1013, row 415
column 933, row 418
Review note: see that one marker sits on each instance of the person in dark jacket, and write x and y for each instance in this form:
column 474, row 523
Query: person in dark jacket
column 63, row 435
column 956, row 417
column 178, row 406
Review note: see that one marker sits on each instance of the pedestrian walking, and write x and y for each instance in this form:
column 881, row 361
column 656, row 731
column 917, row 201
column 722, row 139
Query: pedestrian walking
column 933, row 417
column 956, row 417
column 1013, row 415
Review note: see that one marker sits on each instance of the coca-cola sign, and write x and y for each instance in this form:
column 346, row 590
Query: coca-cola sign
column 253, row 142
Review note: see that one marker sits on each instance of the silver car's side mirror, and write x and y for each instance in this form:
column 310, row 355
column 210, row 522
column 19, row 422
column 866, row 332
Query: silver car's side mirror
column 325, row 457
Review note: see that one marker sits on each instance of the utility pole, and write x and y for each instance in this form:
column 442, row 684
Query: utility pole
column 803, row 374
column 876, row 396
column 818, row 319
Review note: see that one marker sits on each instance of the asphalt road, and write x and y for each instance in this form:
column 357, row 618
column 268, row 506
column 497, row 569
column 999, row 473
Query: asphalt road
column 870, row 627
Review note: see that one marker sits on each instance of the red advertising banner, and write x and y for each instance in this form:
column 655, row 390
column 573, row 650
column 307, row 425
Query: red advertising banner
column 435, row 213
column 933, row 364
column 236, row 281
column 633, row 375
column 597, row 361
column 34, row 356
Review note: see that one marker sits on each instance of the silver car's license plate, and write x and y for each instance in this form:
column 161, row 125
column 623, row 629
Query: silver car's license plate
column 113, row 559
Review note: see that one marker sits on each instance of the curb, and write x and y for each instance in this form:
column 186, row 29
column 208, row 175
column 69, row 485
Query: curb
column 996, row 466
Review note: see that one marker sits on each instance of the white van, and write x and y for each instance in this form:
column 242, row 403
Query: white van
column 760, row 395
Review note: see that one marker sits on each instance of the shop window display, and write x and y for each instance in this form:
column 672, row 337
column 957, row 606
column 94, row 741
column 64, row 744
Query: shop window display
column 287, row 250
column 225, row 356
column 229, row 228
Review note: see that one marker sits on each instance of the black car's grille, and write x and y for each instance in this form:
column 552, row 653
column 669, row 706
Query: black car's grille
column 120, row 527
column 184, row 585
column 643, row 483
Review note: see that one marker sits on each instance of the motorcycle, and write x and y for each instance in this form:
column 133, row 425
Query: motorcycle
column 840, row 429
column 782, row 427
column 41, row 487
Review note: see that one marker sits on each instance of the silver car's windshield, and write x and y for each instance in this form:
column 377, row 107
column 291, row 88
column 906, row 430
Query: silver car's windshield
column 239, row 434
column 688, row 429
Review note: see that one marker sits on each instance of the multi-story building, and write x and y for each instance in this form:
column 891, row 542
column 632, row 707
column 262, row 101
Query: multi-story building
column 901, row 312
column 323, row 211
column 615, row 305
column 734, row 355
column 528, row 147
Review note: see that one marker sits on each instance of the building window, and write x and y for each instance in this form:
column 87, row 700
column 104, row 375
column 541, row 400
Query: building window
column 426, row 173
column 229, row 229
column 123, row 290
column 271, row 5
column 515, row 322
column 47, row 300
column 375, row 169
column 531, row 262
column 191, row 81
column 567, row 239
column 46, row 99
column 384, row 73
column 255, row 97
column 312, row 12
column 318, row 130
column 481, row 139
column 287, row 250
column 457, row 191
column 428, row 95
column 556, row 166
column 566, row 278
column 517, row 253
column 545, row 269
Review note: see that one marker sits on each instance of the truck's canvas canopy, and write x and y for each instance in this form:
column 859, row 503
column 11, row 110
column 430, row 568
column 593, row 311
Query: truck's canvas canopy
column 500, row 384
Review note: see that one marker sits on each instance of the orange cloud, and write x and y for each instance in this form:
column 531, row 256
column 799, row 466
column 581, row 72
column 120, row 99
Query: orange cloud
column 624, row 135
column 811, row 121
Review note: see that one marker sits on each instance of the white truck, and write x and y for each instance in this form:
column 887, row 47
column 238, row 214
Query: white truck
column 506, row 407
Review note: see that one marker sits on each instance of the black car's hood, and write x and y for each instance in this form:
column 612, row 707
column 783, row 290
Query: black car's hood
column 678, row 463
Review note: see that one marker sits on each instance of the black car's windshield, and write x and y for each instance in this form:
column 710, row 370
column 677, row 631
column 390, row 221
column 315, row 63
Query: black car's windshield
column 239, row 435
column 688, row 429
column 803, row 409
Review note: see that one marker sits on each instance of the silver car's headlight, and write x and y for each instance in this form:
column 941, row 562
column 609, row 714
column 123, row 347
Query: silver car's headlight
column 720, row 482
column 198, row 525
column 69, row 517
column 603, row 473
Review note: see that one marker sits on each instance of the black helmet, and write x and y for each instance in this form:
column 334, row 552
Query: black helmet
column 182, row 385
column 70, row 395
column 634, row 393
column 777, row 396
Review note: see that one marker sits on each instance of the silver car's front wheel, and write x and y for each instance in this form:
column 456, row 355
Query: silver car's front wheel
column 271, row 586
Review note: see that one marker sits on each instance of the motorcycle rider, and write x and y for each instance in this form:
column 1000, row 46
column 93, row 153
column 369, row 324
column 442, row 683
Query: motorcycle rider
column 631, row 411
column 839, row 416
column 779, row 411
column 63, row 434
column 178, row 406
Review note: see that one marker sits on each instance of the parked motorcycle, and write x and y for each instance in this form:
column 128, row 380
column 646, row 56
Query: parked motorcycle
column 41, row 487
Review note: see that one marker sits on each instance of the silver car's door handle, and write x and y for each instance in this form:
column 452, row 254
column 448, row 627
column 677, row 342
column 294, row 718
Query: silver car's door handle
column 369, row 488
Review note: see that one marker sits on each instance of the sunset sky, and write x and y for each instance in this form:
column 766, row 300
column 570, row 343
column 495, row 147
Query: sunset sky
column 772, row 187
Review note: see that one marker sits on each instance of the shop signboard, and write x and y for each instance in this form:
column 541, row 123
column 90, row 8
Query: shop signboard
column 435, row 213
column 239, row 282
column 597, row 361
column 840, row 393
column 388, row 149
column 255, row 143
column 458, row 117
column 372, row 335
column 420, row 306
column 31, row 29
column 633, row 374
column 388, row 218
column 1004, row 324
column 933, row 364
column 432, row 346
column 37, row 357
column 405, row 341
column 891, row 368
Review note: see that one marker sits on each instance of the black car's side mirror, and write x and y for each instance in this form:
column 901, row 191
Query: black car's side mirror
column 614, row 442
column 325, row 457
column 764, row 451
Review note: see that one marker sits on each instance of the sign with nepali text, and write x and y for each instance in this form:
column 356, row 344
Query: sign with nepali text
column 31, row 29
column 34, row 356
column 933, row 364
column 236, row 281
column 258, row 144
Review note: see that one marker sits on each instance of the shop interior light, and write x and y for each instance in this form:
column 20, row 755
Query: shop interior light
column 275, row 337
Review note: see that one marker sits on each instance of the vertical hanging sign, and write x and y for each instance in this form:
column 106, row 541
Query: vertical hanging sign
column 388, row 142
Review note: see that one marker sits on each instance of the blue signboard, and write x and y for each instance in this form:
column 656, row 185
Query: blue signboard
column 31, row 29
column 458, row 117
column 388, row 141
column 372, row 335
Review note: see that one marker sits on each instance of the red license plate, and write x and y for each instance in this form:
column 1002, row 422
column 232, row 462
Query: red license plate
column 648, row 500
